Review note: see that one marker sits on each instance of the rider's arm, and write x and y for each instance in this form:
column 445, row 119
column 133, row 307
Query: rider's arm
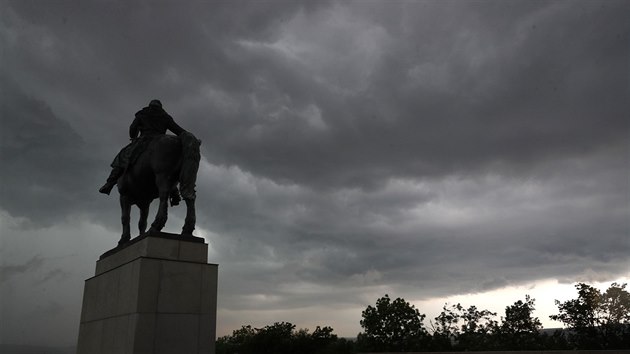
column 174, row 127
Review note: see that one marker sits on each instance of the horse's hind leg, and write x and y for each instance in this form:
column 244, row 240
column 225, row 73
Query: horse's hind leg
column 191, row 218
column 164, row 188
column 125, row 208
column 144, row 214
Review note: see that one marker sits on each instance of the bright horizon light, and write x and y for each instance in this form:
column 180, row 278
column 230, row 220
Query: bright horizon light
column 544, row 293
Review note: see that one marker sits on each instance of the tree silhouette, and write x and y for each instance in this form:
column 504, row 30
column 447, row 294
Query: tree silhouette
column 392, row 326
column 281, row 337
column 459, row 328
column 597, row 320
column 519, row 330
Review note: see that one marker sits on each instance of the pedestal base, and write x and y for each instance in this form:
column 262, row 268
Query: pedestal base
column 157, row 295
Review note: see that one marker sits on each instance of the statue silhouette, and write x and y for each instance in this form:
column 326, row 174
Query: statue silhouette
column 152, row 166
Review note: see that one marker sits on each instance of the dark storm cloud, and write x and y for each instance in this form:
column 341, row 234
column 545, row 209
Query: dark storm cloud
column 540, row 81
column 510, row 91
column 45, row 166
column 502, row 232
column 155, row 49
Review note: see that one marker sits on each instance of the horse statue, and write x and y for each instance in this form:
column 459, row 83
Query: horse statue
column 168, row 160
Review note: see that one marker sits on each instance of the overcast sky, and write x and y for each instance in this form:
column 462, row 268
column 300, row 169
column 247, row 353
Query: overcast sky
column 423, row 149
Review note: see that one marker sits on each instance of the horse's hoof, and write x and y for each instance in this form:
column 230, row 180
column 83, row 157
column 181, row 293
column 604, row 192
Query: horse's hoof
column 124, row 240
column 187, row 231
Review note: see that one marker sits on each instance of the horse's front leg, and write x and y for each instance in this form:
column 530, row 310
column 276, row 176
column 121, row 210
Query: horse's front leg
column 191, row 218
column 144, row 214
column 164, row 188
column 125, row 208
column 161, row 216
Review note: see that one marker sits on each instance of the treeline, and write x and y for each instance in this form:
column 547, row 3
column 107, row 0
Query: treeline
column 594, row 320
column 283, row 338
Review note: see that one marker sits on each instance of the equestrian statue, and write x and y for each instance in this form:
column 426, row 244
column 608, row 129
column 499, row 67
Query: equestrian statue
column 155, row 165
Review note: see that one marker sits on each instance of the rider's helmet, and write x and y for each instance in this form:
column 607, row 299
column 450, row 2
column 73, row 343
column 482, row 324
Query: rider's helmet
column 155, row 103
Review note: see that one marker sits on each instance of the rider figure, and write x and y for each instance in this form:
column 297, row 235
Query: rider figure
column 150, row 121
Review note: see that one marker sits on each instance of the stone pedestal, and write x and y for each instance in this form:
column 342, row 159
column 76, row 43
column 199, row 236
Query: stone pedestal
column 156, row 295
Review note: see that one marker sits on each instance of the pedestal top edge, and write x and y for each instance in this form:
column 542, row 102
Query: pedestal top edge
column 165, row 235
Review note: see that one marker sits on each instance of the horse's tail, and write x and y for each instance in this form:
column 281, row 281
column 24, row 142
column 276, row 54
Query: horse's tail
column 190, row 164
